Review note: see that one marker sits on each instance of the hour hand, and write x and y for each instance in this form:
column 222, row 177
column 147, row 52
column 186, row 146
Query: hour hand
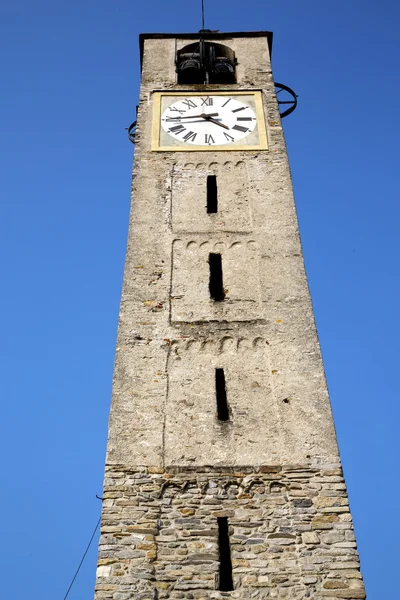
column 217, row 123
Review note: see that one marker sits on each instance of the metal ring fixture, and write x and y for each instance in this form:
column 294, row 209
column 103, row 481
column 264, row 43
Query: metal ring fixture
column 288, row 98
column 132, row 132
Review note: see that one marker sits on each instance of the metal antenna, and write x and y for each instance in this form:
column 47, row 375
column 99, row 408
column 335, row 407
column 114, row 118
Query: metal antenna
column 202, row 14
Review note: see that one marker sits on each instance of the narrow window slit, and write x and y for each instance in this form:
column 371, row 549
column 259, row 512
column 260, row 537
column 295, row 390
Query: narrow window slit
column 225, row 562
column 212, row 194
column 216, row 286
column 220, row 392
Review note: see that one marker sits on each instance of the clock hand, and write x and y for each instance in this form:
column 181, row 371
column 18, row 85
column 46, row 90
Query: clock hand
column 203, row 115
column 217, row 122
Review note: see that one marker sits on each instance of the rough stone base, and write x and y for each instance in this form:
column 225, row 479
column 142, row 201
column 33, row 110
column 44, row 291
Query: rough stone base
column 290, row 527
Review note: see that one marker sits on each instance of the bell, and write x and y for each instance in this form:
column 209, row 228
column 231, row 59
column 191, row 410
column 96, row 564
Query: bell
column 224, row 71
column 190, row 70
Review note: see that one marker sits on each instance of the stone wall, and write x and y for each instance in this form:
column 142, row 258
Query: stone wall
column 278, row 395
column 290, row 530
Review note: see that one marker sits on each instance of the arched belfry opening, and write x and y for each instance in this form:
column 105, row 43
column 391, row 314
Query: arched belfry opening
column 206, row 62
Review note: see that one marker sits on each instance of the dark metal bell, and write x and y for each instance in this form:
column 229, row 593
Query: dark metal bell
column 224, row 71
column 191, row 71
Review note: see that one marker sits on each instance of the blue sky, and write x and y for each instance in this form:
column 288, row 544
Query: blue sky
column 69, row 83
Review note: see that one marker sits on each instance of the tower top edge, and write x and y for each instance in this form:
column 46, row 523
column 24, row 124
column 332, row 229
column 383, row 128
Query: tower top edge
column 207, row 34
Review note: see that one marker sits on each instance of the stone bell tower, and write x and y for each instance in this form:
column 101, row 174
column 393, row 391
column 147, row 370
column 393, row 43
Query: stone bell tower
column 223, row 477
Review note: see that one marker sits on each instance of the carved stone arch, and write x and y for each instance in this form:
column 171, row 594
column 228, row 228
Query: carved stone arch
column 228, row 343
column 193, row 346
column 229, row 482
column 211, row 484
column 209, row 346
column 254, row 482
column 175, row 488
column 244, row 344
column 259, row 342
column 235, row 245
column 277, row 487
column 232, row 488
column 219, row 247
column 177, row 244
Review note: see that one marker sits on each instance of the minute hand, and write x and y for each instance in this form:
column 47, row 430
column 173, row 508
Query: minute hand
column 203, row 115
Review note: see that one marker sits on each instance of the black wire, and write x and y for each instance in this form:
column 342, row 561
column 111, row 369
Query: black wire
column 202, row 14
column 83, row 558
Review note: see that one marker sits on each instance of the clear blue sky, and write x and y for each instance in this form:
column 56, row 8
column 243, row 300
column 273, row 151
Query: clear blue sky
column 69, row 82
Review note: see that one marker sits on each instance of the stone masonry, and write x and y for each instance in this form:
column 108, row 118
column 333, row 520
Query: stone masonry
column 290, row 532
column 173, row 469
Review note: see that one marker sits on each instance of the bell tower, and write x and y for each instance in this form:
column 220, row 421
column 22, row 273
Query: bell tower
column 222, row 476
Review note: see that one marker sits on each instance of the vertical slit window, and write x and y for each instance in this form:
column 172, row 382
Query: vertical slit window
column 216, row 286
column 212, row 195
column 225, row 561
column 220, row 392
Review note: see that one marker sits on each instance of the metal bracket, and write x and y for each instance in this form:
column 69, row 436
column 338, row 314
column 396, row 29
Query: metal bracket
column 132, row 132
column 288, row 98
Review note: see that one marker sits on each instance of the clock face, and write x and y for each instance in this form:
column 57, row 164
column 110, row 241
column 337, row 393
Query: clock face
column 220, row 120
column 208, row 120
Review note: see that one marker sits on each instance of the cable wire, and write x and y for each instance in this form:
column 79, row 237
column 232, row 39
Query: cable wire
column 202, row 14
column 83, row 558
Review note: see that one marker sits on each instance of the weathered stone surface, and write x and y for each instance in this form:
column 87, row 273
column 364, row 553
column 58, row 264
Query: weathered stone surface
column 163, row 410
column 349, row 594
column 310, row 537
column 276, row 551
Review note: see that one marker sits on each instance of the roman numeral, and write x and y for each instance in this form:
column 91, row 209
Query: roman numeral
column 189, row 103
column 190, row 136
column 244, row 118
column 209, row 139
column 173, row 108
column 242, row 108
column 229, row 137
column 177, row 129
column 226, row 102
column 240, row 128
column 207, row 101
column 172, row 119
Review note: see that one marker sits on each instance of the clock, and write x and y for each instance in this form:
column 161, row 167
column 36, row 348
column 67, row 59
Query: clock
column 187, row 121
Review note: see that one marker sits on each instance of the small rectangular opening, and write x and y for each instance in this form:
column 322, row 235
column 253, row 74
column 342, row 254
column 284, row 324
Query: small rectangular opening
column 220, row 392
column 225, row 562
column 216, row 286
column 212, row 194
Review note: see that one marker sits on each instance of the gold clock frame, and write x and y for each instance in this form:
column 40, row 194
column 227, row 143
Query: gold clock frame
column 156, row 126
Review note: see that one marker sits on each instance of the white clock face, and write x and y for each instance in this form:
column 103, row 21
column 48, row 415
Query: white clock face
column 208, row 120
